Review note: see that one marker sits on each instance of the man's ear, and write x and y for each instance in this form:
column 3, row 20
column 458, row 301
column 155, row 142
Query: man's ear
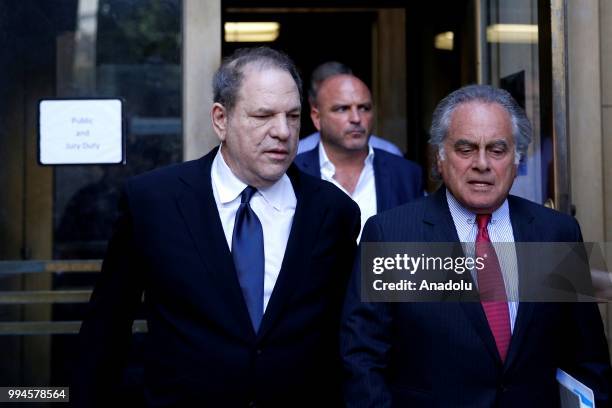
column 439, row 159
column 315, row 117
column 219, row 118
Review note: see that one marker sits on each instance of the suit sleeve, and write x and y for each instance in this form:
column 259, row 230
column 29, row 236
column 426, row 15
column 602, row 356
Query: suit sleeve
column 106, row 332
column 365, row 340
column 589, row 359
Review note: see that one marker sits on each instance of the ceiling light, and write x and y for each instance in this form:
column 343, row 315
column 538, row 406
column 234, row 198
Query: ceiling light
column 251, row 31
column 513, row 33
column 444, row 41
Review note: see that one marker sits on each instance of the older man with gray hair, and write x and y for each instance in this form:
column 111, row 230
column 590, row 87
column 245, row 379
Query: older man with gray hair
column 242, row 261
column 494, row 350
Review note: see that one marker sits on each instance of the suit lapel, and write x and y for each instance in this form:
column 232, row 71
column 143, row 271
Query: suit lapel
column 297, row 254
column 309, row 162
column 442, row 229
column 382, row 181
column 438, row 217
column 296, row 259
column 197, row 205
column 523, row 230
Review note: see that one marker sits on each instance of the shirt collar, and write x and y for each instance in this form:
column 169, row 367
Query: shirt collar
column 279, row 195
column 463, row 214
column 328, row 167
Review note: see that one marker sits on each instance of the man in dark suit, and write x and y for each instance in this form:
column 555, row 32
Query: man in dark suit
column 499, row 351
column 341, row 110
column 242, row 290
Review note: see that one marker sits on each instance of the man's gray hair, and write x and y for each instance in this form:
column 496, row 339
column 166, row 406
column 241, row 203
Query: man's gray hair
column 440, row 122
column 228, row 78
column 321, row 73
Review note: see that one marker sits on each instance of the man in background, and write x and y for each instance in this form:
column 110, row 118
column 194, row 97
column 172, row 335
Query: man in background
column 321, row 73
column 342, row 111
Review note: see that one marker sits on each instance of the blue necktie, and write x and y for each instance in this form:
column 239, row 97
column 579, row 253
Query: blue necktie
column 248, row 254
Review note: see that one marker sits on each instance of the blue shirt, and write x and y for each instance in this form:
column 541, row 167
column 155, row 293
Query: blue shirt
column 310, row 142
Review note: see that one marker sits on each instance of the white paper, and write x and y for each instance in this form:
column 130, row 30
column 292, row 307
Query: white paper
column 81, row 131
column 585, row 394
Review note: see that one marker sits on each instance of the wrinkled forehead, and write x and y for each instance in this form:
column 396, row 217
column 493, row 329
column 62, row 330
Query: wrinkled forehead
column 263, row 68
column 267, row 86
column 480, row 122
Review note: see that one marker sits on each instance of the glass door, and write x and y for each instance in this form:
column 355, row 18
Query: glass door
column 509, row 51
column 516, row 39
column 55, row 221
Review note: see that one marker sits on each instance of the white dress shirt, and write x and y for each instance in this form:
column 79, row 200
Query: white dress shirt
column 365, row 189
column 500, row 232
column 274, row 206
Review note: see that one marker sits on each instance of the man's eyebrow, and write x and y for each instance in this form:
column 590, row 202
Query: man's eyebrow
column 464, row 142
column 494, row 143
column 267, row 111
column 339, row 105
column 262, row 111
column 498, row 143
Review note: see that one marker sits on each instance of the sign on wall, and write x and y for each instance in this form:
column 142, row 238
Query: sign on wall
column 80, row 131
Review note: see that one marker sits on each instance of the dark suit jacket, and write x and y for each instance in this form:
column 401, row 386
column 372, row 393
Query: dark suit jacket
column 201, row 349
column 443, row 354
column 397, row 180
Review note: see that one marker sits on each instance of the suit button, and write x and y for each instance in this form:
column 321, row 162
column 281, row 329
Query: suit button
column 258, row 352
column 252, row 404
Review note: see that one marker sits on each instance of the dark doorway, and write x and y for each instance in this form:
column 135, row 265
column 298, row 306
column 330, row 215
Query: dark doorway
column 312, row 32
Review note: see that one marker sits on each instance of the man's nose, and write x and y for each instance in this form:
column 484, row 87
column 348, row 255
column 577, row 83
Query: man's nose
column 355, row 115
column 481, row 160
column 280, row 128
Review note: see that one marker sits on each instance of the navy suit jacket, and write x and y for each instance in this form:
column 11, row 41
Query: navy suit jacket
column 397, row 180
column 201, row 349
column 444, row 354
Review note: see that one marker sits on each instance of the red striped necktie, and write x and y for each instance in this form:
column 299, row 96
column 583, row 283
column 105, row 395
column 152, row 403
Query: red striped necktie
column 491, row 287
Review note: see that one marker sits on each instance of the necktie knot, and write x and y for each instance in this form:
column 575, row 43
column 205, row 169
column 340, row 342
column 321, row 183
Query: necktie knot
column 247, row 194
column 483, row 220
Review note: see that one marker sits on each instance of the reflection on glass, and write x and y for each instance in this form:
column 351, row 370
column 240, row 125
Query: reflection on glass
column 512, row 49
column 513, row 33
column 131, row 50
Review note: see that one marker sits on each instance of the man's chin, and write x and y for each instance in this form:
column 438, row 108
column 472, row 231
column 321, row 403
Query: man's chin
column 484, row 206
column 275, row 174
column 356, row 147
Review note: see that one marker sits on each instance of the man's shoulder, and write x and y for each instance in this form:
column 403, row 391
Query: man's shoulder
column 554, row 224
column 523, row 207
column 167, row 174
column 313, row 137
column 327, row 194
column 398, row 163
column 410, row 212
column 307, row 156
column 393, row 158
column 168, row 181
column 308, row 162
column 398, row 224
column 384, row 144
column 308, row 143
